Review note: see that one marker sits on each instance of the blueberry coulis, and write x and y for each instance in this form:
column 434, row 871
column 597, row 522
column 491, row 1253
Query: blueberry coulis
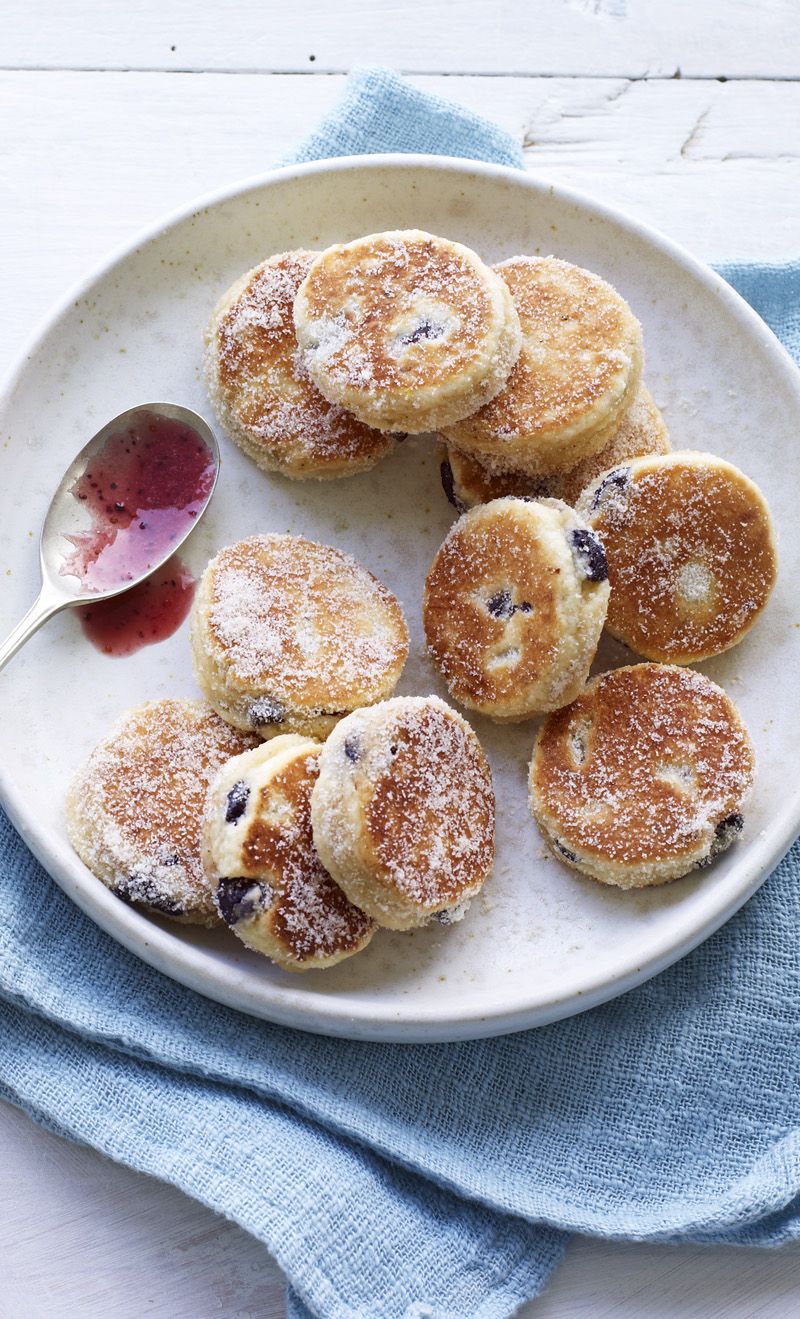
column 145, row 614
column 143, row 491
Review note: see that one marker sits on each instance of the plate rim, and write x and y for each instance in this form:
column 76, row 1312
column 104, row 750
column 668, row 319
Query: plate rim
column 326, row 1013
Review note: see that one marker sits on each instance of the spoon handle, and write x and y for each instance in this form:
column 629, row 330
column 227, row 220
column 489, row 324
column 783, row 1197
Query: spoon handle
column 42, row 608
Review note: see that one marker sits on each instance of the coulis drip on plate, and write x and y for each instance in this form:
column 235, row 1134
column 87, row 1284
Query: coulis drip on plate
column 146, row 613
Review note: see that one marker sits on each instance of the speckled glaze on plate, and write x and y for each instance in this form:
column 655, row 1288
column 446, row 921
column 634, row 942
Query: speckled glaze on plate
column 542, row 942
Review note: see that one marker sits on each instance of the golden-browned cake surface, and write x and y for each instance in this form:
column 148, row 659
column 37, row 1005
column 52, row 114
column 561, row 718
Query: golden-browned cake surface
column 514, row 605
column 288, row 635
column 641, row 431
column 578, row 370
column 270, row 886
column 134, row 809
column 691, row 553
column 643, row 777
column 406, row 330
column 403, row 810
column 260, row 390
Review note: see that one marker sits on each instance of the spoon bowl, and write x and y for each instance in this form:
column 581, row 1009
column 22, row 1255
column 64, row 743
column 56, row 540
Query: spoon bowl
column 102, row 536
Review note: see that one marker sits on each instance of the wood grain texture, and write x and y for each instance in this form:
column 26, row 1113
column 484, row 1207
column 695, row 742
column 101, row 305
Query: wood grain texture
column 87, row 159
column 88, row 1239
column 640, row 38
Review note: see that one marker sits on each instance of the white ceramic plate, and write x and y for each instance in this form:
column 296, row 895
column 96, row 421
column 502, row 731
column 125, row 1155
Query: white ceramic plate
column 543, row 942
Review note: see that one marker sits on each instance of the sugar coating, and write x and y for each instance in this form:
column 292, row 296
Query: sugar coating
column 643, row 777
column 641, row 431
column 691, row 553
column 134, row 809
column 577, row 372
column 261, row 390
column 403, row 810
column 288, row 635
column 257, row 834
column 406, row 330
column 514, row 605
column 468, row 480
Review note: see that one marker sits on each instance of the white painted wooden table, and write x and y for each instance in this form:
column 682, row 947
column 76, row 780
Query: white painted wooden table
column 684, row 113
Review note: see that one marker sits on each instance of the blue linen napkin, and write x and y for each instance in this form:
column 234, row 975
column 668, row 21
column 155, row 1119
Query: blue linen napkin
column 439, row 1181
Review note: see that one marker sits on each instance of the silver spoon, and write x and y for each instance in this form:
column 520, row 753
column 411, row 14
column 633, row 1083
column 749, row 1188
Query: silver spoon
column 60, row 590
